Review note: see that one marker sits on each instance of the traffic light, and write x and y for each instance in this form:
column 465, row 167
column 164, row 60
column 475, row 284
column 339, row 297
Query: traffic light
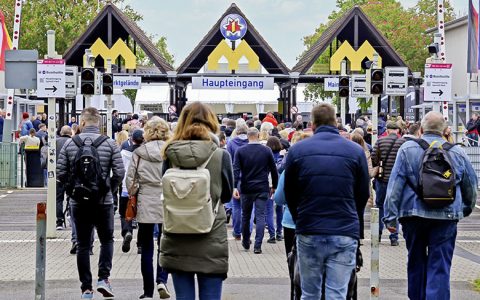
column 343, row 86
column 87, row 79
column 107, row 84
column 376, row 82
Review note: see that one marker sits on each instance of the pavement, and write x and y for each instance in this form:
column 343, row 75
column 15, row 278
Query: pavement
column 250, row 276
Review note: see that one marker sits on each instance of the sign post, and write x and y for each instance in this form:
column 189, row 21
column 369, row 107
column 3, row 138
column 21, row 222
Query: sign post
column 51, row 84
column 109, row 103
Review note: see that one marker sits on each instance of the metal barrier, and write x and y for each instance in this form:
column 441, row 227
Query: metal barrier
column 41, row 249
column 474, row 155
column 8, row 165
column 375, row 254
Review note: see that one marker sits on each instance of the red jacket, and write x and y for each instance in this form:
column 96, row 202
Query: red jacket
column 270, row 119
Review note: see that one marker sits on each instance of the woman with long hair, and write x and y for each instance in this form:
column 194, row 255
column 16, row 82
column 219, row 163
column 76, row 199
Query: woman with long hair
column 275, row 234
column 205, row 256
column 144, row 177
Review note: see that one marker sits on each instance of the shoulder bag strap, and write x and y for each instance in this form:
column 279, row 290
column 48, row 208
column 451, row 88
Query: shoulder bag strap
column 135, row 177
column 204, row 165
column 384, row 161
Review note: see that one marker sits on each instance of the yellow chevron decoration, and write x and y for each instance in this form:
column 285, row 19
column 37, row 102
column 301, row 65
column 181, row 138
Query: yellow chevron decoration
column 118, row 49
column 233, row 56
column 355, row 57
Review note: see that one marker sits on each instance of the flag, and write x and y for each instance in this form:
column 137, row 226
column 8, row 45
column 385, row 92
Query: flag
column 473, row 38
column 5, row 41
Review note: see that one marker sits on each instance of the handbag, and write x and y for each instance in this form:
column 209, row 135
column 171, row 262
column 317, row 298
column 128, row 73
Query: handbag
column 131, row 212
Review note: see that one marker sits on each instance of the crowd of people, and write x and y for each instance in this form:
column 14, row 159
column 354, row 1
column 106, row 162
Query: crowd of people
column 304, row 183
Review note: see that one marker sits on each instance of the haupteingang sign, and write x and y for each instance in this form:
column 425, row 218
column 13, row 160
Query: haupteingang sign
column 232, row 83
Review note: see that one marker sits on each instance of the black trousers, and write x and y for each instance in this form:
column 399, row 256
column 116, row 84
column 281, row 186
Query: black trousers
column 86, row 217
column 60, row 199
column 122, row 209
column 289, row 239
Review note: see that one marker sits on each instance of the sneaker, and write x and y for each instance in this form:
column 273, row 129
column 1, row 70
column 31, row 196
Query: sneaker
column 73, row 250
column 88, row 294
column 126, row 242
column 59, row 227
column 394, row 242
column 144, row 297
column 104, row 288
column 238, row 237
column 163, row 291
column 257, row 251
column 279, row 237
column 272, row 240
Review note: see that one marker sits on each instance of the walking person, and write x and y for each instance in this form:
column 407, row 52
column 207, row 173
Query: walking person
column 383, row 156
column 430, row 229
column 252, row 165
column 92, row 209
column 127, row 226
column 144, row 177
column 194, row 145
column 274, row 228
column 472, row 130
column 327, row 217
column 233, row 145
column 65, row 135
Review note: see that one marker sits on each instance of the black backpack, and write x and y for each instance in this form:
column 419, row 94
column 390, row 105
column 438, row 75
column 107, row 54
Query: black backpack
column 436, row 186
column 86, row 181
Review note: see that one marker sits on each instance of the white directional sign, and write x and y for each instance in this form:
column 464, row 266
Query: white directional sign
column 127, row 82
column 396, row 81
column 359, row 86
column 331, row 84
column 51, row 78
column 438, row 82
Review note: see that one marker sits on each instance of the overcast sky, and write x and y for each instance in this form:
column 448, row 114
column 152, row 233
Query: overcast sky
column 282, row 23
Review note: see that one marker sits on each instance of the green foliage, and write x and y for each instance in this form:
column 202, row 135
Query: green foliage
column 476, row 284
column 131, row 94
column 403, row 28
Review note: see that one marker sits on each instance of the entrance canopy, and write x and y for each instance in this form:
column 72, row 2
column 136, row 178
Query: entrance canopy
column 355, row 28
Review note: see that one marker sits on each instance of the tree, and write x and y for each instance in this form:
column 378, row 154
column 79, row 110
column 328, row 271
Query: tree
column 69, row 19
column 403, row 28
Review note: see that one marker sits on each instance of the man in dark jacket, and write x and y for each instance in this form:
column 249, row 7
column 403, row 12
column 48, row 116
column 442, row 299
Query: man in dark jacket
column 233, row 145
column 65, row 134
column 326, row 189
column 472, row 130
column 116, row 123
column 97, row 213
column 384, row 153
column 252, row 165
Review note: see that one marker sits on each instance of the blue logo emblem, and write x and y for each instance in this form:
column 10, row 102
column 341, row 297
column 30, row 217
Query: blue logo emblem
column 233, row 27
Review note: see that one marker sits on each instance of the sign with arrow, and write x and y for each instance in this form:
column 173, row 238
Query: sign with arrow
column 51, row 78
column 438, row 82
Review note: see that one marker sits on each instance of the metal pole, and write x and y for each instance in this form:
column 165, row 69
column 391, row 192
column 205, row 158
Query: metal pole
column 343, row 109
column 40, row 262
column 7, row 123
column 52, row 145
column 109, row 104
column 375, row 254
column 374, row 118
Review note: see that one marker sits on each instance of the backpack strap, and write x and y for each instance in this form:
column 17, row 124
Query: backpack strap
column 204, row 165
column 77, row 140
column 424, row 144
column 447, row 146
column 99, row 141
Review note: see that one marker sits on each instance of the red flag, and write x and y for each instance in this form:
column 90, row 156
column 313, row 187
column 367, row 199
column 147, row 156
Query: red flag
column 5, row 41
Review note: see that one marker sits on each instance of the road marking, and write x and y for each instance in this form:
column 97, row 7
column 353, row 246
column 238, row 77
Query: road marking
column 9, row 192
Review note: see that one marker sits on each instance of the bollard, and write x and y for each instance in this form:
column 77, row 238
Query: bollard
column 41, row 251
column 375, row 254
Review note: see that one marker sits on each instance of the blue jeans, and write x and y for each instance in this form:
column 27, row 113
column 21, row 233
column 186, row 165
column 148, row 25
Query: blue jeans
column 278, row 218
column 381, row 193
column 145, row 236
column 209, row 287
column 236, row 217
column 260, row 201
column 333, row 255
column 430, row 245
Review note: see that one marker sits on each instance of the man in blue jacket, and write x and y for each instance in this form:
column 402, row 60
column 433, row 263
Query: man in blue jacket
column 252, row 165
column 326, row 188
column 429, row 233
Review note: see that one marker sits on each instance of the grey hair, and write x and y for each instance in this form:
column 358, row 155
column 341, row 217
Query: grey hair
column 253, row 132
column 242, row 129
column 433, row 122
column 66, row 130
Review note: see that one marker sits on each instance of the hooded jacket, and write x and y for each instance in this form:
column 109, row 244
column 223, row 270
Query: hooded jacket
column 146, row 164
column 200, row 253
column 234, row 144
